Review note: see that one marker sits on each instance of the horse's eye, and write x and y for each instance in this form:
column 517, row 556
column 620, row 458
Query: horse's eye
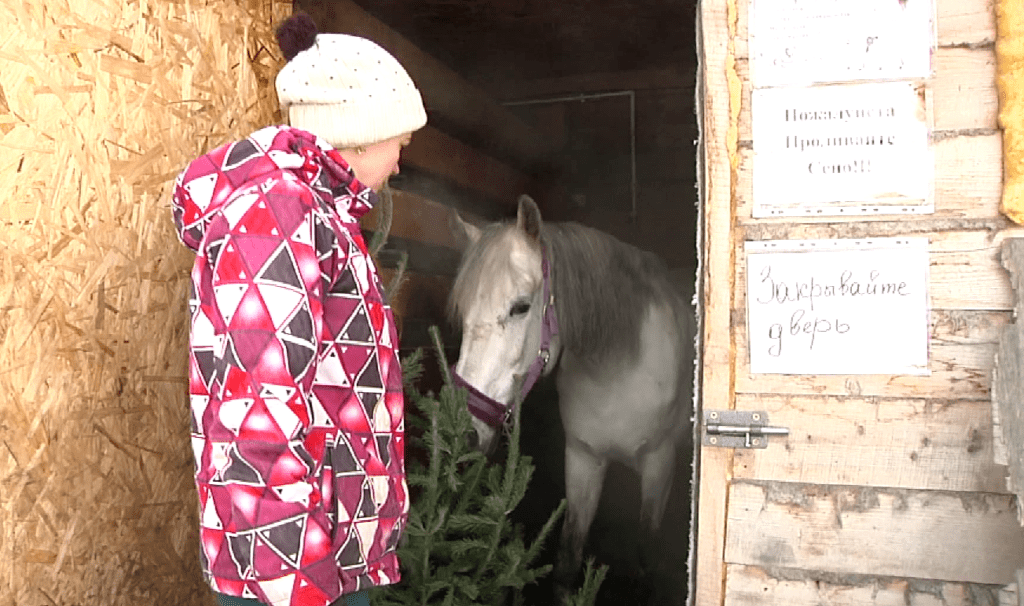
column 519, row 308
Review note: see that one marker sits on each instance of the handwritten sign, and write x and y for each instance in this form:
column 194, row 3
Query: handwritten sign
column 805, row 42
column 838, row 306
column 859, row 149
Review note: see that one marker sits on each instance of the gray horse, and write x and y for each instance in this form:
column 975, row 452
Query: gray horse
column 534, row 297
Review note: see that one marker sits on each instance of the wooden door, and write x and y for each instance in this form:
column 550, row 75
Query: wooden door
column 885, row 491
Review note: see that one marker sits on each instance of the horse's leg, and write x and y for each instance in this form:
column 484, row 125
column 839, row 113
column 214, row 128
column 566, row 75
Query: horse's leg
column 656, row 474
column 584, row 476
column 655, row 483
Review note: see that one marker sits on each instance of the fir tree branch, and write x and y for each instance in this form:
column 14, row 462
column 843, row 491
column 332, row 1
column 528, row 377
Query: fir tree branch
column 380, row 236
column 435, row 336
column 507, row 500
column 431, row 496
column 545, row 531
column 398, row 279
column 592, row 580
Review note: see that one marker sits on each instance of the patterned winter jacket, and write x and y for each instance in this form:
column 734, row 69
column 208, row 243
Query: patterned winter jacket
column 295, row 383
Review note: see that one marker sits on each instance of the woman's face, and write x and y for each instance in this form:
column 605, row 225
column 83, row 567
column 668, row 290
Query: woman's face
column 380, row 160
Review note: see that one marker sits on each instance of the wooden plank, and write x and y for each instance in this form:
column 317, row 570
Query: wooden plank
column 965, row 22
column 421, row 295
column 961, row 350
column 960, row 537
column 419, row 218
column 418, row 257
column 681, row 77
column 902, row 443
column 957, row 371
column 964, row 276
column 741, row 35
column 1009, row 596
column 963, row 90
column 958, row 23
column 422, row 298
column 1007, row 413
column 965, row 272
column 968, row 181
column 427, row 185
column 448, row 96
column 751, row 585
column 720, row 94
column 440, row 154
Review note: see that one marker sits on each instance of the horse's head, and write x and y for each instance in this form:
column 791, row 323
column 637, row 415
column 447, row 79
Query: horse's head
column 498, row 298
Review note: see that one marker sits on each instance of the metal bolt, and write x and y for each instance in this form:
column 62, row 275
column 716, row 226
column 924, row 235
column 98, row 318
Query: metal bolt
column 755, row 416
column 713, row 415
column 713, row 440
column 756, row 441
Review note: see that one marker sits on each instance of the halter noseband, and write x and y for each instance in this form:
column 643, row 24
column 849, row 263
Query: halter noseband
column 489, row 410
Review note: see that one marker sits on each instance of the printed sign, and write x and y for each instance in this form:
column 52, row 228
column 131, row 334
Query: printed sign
column 858, row 149
column 806, row 42
column 838, row 306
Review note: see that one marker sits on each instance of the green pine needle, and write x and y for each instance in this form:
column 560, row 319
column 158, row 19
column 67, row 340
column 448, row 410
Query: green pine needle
column 460, row 547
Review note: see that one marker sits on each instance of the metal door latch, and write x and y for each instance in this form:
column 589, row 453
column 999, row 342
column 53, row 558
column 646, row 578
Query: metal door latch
column 739, row 429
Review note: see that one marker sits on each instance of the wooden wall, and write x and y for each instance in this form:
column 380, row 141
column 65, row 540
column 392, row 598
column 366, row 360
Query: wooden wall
column 886, row 490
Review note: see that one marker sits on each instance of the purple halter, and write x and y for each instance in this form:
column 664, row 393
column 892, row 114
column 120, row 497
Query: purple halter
column 491, row 411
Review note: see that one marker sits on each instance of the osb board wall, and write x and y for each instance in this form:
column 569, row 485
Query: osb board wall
column 101, row 104
column 886, row 490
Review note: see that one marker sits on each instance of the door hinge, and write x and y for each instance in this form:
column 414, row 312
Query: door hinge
column 739, row 429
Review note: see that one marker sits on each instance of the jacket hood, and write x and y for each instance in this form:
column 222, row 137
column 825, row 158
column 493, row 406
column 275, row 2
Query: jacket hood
column 208, row 182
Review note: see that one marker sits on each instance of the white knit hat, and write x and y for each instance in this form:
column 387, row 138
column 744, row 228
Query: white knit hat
column 345, row 89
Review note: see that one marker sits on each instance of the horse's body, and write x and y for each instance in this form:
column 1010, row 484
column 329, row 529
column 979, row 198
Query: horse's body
column 623, row 349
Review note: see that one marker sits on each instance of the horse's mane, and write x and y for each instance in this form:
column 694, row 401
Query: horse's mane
column 602, row 285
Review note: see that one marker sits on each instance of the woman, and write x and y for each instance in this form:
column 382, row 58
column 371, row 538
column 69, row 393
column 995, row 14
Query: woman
column 294, row 377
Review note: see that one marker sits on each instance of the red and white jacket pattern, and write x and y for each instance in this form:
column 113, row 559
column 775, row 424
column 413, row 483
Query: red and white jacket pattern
column 294, row 377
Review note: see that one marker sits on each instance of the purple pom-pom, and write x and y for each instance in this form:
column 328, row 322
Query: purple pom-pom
column 296, row 34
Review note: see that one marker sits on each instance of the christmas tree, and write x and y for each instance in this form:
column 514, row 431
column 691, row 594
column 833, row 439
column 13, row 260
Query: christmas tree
column 460, row 546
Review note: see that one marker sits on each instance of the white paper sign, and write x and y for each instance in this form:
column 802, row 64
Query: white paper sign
column 838, row 306
column 817, row 41
column 857, row 149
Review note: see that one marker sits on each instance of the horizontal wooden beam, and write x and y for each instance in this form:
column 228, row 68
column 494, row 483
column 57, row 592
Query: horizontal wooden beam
column 968, row 183
column 416, row 217
column 754, row 585
column 422, row 257
column 647, row 79
column 864, row 530
column 449, row 158
column 897, row 442
column 421, row 303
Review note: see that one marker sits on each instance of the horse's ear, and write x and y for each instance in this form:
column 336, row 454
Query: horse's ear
column 528, row 217
column 464, row 232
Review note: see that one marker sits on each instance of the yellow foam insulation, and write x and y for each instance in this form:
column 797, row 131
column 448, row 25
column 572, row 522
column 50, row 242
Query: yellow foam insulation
column 1010, row 66
column 102, row 102
column 735, row 94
